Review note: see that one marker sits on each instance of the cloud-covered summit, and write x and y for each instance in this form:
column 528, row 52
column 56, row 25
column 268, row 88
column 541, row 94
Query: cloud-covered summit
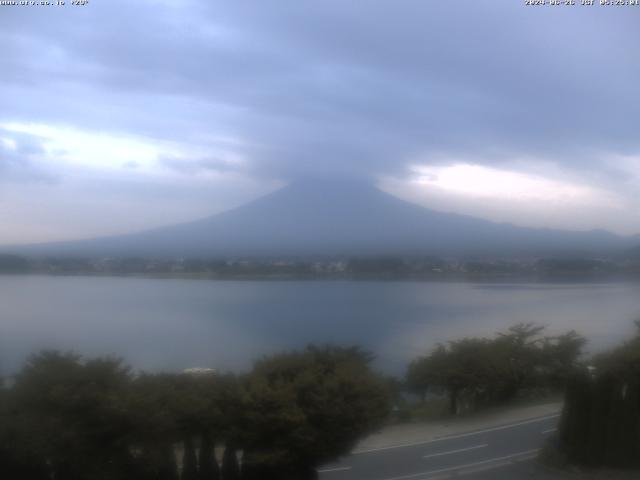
column 228, row 100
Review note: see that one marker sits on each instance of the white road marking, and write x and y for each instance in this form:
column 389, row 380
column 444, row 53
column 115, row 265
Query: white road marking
column 454, row 436
column 481, row 468
column 548, row 431
column 500, row 461
column 493, row 429
column 456, row 451
column 530, row 454
column 337, row 469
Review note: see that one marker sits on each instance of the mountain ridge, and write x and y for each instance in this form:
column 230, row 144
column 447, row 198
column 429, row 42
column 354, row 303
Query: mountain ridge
column 335, row 218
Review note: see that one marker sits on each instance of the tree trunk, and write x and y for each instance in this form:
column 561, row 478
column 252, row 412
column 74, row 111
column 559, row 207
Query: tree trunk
column 189, row 461
column 453, row 401
column 230, row 467
column 209, row 469
column 167, row 468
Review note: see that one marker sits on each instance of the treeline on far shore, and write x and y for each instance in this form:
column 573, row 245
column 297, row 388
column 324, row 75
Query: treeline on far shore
column 428, row 267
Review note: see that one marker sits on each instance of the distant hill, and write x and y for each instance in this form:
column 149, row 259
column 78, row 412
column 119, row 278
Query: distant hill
column 336, row 218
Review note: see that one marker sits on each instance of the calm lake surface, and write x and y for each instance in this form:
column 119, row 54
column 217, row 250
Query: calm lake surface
column 175, row 324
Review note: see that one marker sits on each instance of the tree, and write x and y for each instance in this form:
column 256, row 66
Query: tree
column 208, row 468
column 16, row 459
column 189, row 461
column 69, row 418
column 471, row 371
column 220, row 418
column 474, row 372
column 307, row 408
column 560, row 356
column 71, row 415
column 154, row 403
column 230, row 467
column 420, row 374
column 600, row 424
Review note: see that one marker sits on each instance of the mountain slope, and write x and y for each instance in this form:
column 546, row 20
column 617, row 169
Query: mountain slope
column 336, row 218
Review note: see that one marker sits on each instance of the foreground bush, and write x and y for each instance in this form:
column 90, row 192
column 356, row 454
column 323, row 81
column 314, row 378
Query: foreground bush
column 70, row 419
column 308, row 408
column 600, row 424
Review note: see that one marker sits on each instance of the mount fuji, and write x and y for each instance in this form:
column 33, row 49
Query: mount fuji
column 336, row 218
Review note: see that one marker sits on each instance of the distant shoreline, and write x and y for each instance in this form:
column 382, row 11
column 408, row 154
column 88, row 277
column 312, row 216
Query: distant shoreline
column 450, row 277
column 357, row 268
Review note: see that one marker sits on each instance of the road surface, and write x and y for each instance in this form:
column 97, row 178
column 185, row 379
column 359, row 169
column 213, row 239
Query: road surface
column 498, row 452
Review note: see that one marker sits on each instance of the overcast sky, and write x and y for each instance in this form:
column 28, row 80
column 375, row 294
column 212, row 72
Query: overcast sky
column 121, row 115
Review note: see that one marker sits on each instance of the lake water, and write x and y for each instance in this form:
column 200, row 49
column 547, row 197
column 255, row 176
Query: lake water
column 175, row 324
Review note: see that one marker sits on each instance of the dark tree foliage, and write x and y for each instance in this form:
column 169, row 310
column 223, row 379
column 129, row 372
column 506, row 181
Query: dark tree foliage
column 66, row 418
column 476, row 372
column 168, row 409
column 165, row 464
column 17, row 458
column 151, row 403
column 600, row 425
column 72, row 417
column 307, row 408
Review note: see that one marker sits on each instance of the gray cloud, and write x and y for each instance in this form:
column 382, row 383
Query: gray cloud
column 337, row 88
column 192, row 166
column 18, row 159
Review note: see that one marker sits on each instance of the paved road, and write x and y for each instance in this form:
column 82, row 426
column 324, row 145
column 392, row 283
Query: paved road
column 484, row 454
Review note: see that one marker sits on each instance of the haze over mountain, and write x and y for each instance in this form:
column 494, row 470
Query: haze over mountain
column 249, row 93
column 336, row 218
